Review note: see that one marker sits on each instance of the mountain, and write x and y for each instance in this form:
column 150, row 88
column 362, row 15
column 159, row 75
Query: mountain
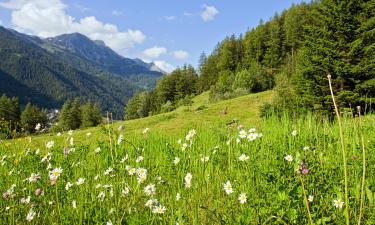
column 103, row 58
column 46, row 72
column 151, row 66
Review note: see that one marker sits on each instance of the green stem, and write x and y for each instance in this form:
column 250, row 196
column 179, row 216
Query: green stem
column 305, row 200
column 363, row 169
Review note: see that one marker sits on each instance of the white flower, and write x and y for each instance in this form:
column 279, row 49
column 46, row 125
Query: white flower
column 141, row 178
column 70, row 132
column 109, row 222
column 242, row 198
column 74, row 204
column 71, row 141
column 141, row 172
column 188, row 179
column 33, row 177
column 243, row 157
column 37, row 151
column 311, row 198
column 88, row 134
column 30, row 215
column 288, row 158
column 294, row 133
column 55, row 173
column 125, row 191
column 159, row 209
column 120, row 139
column 58, row 134
column 101, row 196
column 151, row 202
column 179, row 141
column 139, row 159
column 205, row 158
column 146, row 130
column 80, row 181
column 50, row 144
column 306, row 148
column 108, row 171
column 228, row 187
column 25, row 200
column 176, row 160
column 98, row 149
column 338, row 203
column 124, row 159
column 242, row 134
column 190, row 135
column 252, row 130
column 68, row 185
column 47, row 157
column 178, row 196
column 150, row 189
column 252, row 136
column 131, row 171
column 38, row 126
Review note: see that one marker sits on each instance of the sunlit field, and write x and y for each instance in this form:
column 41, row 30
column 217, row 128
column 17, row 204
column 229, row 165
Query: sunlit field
column 283, row 171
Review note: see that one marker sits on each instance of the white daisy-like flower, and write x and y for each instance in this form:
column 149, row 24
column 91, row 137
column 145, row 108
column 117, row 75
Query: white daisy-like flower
column 184, row 146
column 74, row 204
column 55, row 173
column 338, row 203
column 188, row 179
column 109, row 222
column 30, row 215
column 58, row 134
column 125, row 191
column 124, row 159
column 243, row 157
column 146, row 130
column 176, row 160
column 141, row 178
column 71, row 141
column 80, row 181
column 33, row 177
column 98, row 149
column 252, row 136
column 310, row 198
column 68, row 185
column 159, row 209
column 242, row 198
column 178, row 197
column 50, row 144
column 141, row 171
column 306, row 148
column 88, row 134
column 288, row 158
column 37, row 151
column 205, row 158
column 149, row 189
column 179, row 141
column 38, row 126
column 101, row 196
column 252, row 130
column 294, row 133
column 242, row 134
column 190, row 135
column 228, row 187
column 139, row 159
column 150, row 203
column 25, row 200
column 108, row 171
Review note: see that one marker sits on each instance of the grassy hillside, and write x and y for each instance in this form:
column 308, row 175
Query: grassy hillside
column 191, row 168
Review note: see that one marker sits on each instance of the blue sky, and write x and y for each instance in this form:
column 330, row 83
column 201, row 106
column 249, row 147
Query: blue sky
column 168, row 32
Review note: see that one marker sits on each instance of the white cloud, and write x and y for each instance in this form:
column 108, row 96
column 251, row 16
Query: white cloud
column 188, row 14
column 180, row 54
column 164, row 66
column 169, row 17
column 154, row 52
column 209, row 13
column 1, row 22
column 117, row 12
column 47, row 18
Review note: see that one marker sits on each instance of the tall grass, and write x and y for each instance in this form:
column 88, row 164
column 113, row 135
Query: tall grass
column 271, row 183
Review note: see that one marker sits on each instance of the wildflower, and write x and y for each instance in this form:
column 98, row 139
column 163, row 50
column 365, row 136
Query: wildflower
column 58, row 134
column 50, row 144
column 288, row 158
column 243, row 157
column 55, row 173
column 70, row 132
column 205, row 158
column 109, row 222
column 68, row 185
column 120, row 128
column 97, row 150
column 190, row 135
column 80, row 181
column 310, row 198
column 120, row 139
column 108, row 171
column 124, row 159
column 38, row 192
column 146, row 130
column 238, row 140
column 242, row 134
column 101, row 196
column 125, row 191
column 37, row 151
column 242, row 198
column 38, row 126
column 71, row 141
column 188, row 179
column 252, row 136
column 132, row 171
column 150, row 203
column 88, row 134
column 252, row 130
column 25, row 200
column 306, row 148
column 179, row 141
column 33, row 177
column 74, row 204
column 338, row 203
column 30, row 215
column 139, row 159
column 178, row 196
column 294, row 133
column 159, row 209
column 176, row 160
column 303, row 169
column 5, row 195
column 141, row 178
column 150, row 189
column 228, row 187
column 141, row 171
column 184, row 146
column 47, row 157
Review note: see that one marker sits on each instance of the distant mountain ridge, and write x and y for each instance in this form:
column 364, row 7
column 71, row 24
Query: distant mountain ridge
column 48, row 71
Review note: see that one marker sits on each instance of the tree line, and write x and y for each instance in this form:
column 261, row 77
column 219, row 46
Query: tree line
column 15, row 122
column 293, row 53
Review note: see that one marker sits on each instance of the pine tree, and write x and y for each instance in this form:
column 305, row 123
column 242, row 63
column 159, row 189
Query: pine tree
column 31, row 116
